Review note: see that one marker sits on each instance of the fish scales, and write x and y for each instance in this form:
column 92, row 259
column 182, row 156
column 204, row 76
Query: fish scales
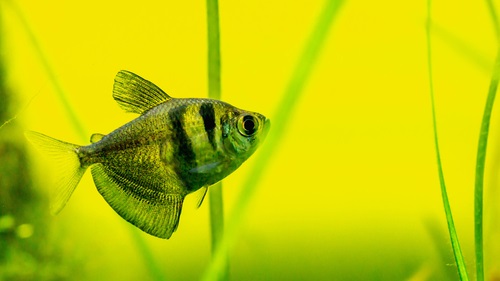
column 145, row 168
column 182, row 133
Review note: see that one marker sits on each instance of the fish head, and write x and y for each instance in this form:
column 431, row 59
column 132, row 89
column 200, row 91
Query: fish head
column 245, row 131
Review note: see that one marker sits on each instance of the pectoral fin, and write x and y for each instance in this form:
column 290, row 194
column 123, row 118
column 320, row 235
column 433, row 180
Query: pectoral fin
column 136, row 94
column 200, row 201
column 157, row 214
column 206, row 169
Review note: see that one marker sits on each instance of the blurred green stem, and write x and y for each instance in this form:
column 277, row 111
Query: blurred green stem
column 494, row 18
column 481, row 152
column 214, row 81
column 214, row 92
column 284, row 111
column 461, row 45
column 74, row 120
column 459, row 259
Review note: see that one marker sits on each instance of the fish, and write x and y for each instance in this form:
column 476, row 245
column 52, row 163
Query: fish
column 145, row 168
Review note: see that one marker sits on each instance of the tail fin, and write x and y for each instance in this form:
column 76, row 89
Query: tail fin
column 66, row 154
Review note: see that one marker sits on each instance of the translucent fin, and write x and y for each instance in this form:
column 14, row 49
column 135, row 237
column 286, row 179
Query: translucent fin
column 66, row 154
column 96, row 137
column 205, row 189
column 206, row 169
column 136, row 94
column 156, row 214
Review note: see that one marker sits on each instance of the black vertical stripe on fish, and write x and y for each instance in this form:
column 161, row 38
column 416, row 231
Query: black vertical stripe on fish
column 181, row 142
column 207, row 112
column 183, row 149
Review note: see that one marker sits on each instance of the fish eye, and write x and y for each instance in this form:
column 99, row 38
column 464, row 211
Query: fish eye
column 248, row 125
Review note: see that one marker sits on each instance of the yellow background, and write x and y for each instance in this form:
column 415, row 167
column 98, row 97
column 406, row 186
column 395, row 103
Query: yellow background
column 351, row 191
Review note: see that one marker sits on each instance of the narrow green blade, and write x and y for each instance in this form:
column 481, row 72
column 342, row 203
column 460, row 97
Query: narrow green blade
column 481, row 152
column 284, row 110
column 459, row 259
column 214, row 92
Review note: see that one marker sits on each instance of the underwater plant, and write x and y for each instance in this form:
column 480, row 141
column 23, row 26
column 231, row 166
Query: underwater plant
column 346, row 177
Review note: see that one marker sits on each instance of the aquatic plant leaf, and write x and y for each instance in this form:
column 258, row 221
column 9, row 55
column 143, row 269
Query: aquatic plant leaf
column 286, row 108
column 455, row 243
column 136, row 94
column 159, row 218
column 214, row 92
column 481, row 151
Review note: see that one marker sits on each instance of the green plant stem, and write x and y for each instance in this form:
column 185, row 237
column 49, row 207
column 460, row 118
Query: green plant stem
column 140, row 244
column 214, row 92
column 147, row 255
column 283, row 113
column 461, row 45
column 213, row 33
column 480, row 163
column 481, row 152
column 459, row 259
column 216, row 215
column 494, row 18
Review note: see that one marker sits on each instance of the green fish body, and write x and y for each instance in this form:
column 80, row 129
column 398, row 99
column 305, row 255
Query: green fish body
column 145, row 168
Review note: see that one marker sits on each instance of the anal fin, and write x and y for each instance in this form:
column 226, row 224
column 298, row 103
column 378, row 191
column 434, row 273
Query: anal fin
column 158, row 217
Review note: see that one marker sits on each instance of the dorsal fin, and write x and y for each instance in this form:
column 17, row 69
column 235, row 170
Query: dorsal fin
column 136, row 94
column 96, row 137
